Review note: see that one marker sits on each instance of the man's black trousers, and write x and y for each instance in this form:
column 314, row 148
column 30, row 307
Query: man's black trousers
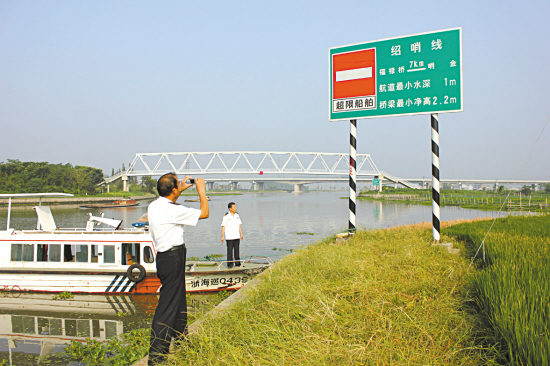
column 233, row 247
column 170, row 318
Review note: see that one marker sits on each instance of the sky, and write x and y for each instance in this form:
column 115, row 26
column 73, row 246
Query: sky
column 95, row 82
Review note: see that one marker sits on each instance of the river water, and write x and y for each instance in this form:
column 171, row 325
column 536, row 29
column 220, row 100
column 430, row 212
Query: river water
column 33, row 326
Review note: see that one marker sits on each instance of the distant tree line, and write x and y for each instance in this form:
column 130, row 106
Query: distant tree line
column 33, row 177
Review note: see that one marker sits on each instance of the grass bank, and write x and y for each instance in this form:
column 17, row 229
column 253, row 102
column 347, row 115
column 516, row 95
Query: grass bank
column 383, row 297
column 478, row 200
column 513, row 286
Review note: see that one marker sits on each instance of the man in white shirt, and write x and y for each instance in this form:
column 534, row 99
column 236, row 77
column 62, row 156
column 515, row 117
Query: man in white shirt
column 231, row 229
column 166, row 221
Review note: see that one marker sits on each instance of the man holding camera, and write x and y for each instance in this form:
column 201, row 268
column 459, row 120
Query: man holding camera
column 166, row 221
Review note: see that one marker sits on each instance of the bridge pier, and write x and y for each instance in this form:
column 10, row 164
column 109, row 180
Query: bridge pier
column 125, row 185
column 233, row 186
column 380, row 186
column 108, row 186
column 298, row 188
column 258, row 186
column 210, row 186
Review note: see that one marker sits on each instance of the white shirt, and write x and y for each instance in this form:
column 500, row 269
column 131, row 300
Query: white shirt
column 166, row 220
column 231, row 224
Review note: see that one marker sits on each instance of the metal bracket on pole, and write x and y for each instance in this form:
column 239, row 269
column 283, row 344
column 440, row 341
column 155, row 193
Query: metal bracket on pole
column 435, row 179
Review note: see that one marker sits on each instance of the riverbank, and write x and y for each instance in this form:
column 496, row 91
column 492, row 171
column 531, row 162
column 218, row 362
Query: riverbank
column 70, row 200
column 382, row 297
column 473, row 202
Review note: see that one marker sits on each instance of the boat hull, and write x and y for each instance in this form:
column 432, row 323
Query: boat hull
column 116, row 283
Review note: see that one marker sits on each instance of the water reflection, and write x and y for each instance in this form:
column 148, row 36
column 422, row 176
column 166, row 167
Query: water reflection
column 34, row 326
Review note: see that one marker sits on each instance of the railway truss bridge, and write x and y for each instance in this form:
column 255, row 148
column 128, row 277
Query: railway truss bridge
column 257, row 168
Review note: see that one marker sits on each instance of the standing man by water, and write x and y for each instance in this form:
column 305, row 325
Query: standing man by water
column 231, row 229
column 166, row 221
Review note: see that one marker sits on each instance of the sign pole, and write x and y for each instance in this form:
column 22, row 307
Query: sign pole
column 435, row 178
column 352, row 176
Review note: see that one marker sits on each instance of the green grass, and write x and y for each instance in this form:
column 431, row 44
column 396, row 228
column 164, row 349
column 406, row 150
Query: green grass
column 383, row 297
column 513, row 287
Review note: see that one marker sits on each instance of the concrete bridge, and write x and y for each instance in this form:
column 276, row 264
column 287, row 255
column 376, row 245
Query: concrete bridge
column 257, row 167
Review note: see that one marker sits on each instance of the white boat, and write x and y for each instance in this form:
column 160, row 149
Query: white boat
column 100, row 260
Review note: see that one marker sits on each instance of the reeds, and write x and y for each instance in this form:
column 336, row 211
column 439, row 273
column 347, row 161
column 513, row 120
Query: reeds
column 513, row 286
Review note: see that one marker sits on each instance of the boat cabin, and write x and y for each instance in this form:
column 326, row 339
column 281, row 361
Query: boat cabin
column 102, row 244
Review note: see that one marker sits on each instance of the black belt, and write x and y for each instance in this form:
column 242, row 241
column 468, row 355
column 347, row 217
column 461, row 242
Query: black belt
column 176, row 247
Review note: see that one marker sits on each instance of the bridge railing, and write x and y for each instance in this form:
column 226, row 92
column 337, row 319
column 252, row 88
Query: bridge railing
column 251, row 162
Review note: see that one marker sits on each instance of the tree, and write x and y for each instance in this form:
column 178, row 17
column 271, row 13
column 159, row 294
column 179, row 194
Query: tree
column 21, row 177
column 500, row 189
column 151, row 185
column 35, row 185
column 546, row 187
column 526, row 190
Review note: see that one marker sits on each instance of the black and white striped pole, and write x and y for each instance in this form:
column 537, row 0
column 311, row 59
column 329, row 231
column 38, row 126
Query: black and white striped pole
column 352, row 176
column 435, row 179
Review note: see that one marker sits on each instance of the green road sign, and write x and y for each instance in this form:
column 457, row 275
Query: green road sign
column 376, row 182
column 416, row 74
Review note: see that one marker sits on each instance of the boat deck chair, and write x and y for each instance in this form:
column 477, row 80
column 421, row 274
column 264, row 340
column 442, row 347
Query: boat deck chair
column 45, row 218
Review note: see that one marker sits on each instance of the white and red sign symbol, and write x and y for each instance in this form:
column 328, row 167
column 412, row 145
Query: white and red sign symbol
column 354, row 74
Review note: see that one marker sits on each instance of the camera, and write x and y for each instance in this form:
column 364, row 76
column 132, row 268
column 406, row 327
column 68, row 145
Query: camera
column 192, row 181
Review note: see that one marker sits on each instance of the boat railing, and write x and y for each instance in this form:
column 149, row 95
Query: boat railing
column 84, row 231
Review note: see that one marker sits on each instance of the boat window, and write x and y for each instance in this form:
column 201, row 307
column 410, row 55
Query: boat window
column 22, row 252
column 56, row 327
column 130, row 253
column 108, row 254
column 83, row 328
column 48, row 252
column 93, row 252
column 148, row 255
column 22, row 324
column 68, row 251
column 70, row 327
column 43, row 325
column 76, row 253
column 81, row 253
column 110, row 329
